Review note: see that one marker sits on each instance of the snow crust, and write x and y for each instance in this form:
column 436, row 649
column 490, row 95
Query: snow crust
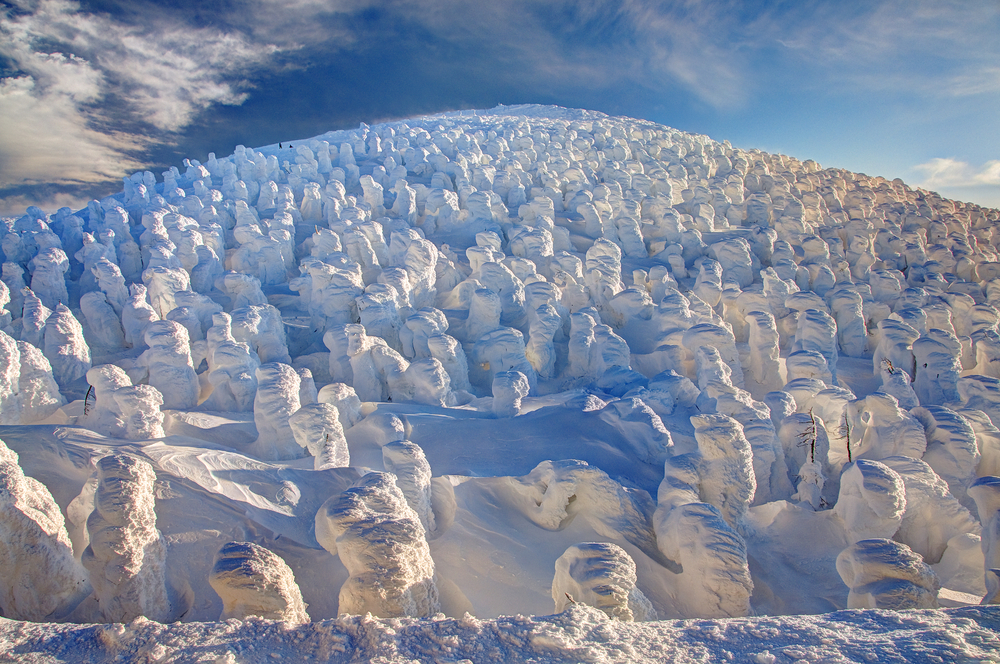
column 581, row 633
column 460, row 366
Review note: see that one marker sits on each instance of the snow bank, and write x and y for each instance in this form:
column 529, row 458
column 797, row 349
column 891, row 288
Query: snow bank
column 580, row 633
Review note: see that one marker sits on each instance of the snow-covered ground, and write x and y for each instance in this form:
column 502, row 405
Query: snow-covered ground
column 502, row 363
column 581, row 634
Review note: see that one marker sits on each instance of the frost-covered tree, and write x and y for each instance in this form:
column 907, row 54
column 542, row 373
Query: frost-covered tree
column 602, row 575
column 379, row 539
column 883, row 574
column 40, row 579
column 126, row 557
column 253, row 581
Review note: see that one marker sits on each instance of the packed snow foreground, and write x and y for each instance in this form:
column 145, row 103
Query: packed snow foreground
column 522, row 361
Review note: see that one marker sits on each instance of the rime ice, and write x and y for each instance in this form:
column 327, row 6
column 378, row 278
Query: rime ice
column 126, row 556
column 40, row 576
column 252, row 581
column 796, row 360
column 379, row 539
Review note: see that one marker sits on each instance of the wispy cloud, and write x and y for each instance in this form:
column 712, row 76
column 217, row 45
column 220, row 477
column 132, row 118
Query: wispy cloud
column 948, row 172
column 984, row 79
column 937, row 48
column 89, row 93
column 682, row 47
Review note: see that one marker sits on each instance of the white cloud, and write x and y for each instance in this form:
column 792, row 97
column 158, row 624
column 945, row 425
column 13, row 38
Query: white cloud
column 947, row 172
column 81, row 73
column 44, row 138
column 932, row 48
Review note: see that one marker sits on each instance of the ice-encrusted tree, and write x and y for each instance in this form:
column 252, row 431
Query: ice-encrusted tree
column 601, row 575
column 872, row 500
column 379, row 539
column 253, row 581
column 140, row 408
column 715, row 579
column 408, row 463
column 168, row 366
column 277, row 399
column 10, row 374
column 986, row 492
column 725, row 467
column 65, row 346
column 345, row 399
column 883, row 574
column 39, row 577
column 39, row 393
column 126, row 557
column 509, row 388
column 317, row 429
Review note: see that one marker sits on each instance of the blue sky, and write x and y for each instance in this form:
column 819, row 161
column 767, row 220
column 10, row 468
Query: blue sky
column 94, row 90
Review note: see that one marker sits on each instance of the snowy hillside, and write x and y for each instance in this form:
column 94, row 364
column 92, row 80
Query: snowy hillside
column 523, row 361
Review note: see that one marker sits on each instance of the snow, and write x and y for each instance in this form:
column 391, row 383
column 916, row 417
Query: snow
column 252, row 581
column 126, row 557
column 580, row 634
column 465, row 370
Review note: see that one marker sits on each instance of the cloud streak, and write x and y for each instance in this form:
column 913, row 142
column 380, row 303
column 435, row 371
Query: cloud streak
column 939, row 48
column 948, row 172
column 90, row 94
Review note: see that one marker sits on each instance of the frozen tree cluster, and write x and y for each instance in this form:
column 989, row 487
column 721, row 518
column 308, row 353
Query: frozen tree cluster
column 789, row 345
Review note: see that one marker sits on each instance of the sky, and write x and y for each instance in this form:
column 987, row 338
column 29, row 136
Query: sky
column 94, row 90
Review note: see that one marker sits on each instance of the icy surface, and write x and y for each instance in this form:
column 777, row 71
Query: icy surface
column 492, row 359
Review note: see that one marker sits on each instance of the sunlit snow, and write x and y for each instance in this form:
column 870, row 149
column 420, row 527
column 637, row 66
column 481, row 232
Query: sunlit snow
column 501, row 363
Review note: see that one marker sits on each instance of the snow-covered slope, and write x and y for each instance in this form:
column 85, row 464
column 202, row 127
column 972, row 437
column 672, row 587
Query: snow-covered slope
column 591, row 355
